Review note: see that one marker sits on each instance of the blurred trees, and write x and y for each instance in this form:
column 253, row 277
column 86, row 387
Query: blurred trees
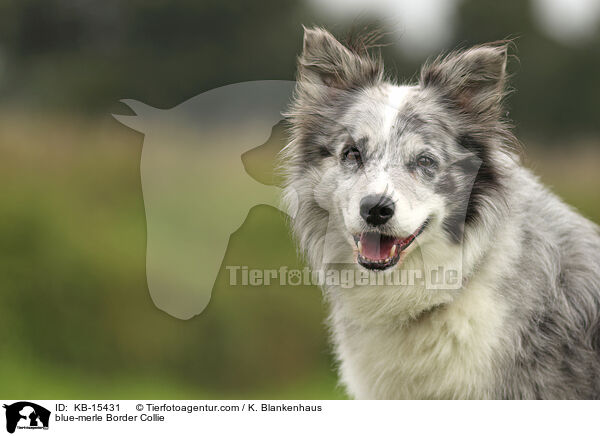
column 85, row 56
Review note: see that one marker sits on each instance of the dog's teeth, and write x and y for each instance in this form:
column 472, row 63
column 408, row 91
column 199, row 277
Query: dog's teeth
column 359, row 247
column 393, row 251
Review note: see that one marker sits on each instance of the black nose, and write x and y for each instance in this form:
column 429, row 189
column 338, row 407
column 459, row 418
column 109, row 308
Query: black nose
column 376, row 209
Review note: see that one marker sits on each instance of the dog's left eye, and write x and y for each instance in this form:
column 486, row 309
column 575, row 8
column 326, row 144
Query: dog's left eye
column 425, row 162
column 352, row 154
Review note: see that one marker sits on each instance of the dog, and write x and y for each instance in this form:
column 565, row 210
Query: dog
column 386, row 178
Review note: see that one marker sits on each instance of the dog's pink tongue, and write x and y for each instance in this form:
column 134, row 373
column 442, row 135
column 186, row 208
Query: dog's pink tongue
column 376, row 246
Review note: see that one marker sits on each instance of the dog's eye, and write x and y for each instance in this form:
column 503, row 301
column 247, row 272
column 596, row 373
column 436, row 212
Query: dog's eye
column 352, row 155
column 425, row 162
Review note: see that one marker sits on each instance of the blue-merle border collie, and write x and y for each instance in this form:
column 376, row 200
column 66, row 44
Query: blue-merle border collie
column 424, row 178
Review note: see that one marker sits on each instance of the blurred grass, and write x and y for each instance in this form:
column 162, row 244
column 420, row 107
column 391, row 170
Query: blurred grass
column 76, row 318
column 572, row 172
column 55, row 382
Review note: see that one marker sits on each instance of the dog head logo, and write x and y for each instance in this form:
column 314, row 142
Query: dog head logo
column 26, row 415
column 195, row 186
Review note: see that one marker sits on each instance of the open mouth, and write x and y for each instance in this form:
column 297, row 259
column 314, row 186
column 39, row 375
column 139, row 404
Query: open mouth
column 377, row 251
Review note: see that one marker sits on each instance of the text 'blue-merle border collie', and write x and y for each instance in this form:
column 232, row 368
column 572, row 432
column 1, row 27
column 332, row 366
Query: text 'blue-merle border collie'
column 503, row 295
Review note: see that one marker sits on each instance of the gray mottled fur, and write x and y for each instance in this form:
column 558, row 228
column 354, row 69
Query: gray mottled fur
column 524, row 250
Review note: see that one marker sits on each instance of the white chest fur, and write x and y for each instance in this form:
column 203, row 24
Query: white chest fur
column 446, row 353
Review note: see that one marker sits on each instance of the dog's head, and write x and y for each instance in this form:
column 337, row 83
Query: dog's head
column 388, row 168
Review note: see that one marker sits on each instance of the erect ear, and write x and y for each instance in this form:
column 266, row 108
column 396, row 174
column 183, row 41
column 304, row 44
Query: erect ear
column 473, row 80
column 325, row 61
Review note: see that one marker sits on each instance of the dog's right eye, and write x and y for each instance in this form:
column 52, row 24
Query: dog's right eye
column 352, row 155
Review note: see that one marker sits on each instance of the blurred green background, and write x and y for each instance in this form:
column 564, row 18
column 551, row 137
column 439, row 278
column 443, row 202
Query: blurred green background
column 76, row 318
